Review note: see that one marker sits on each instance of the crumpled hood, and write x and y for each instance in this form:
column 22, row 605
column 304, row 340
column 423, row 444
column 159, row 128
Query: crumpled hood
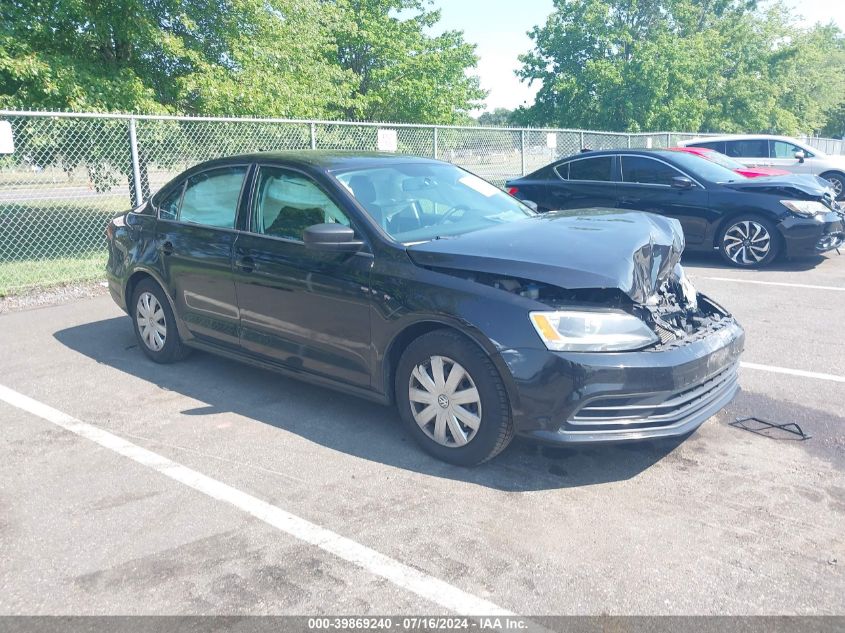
column 588, row 248
column 806, row 184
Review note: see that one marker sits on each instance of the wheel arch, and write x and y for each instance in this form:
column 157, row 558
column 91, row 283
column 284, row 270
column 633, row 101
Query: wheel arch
column 137, row 276
column 413, row 331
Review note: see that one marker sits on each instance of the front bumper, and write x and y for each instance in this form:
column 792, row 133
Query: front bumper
column 811, row 236
column 604, row 397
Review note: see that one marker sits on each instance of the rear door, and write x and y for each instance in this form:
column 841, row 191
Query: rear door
column 195, row 237
column 303, row 308
column 646, row 185
column 582, row 183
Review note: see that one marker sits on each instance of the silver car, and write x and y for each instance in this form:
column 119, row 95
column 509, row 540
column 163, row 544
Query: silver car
column 781, row 152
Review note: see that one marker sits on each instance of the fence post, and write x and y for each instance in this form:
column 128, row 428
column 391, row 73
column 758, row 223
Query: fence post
column 435, row 143
column 522, row 149
column 581, row 146
column 137, row 194
column 313, row 127
column 629, row 140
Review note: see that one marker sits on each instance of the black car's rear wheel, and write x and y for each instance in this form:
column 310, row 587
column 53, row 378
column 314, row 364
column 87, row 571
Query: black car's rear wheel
column 155, row 324
column 452, row 399
column 748, row 241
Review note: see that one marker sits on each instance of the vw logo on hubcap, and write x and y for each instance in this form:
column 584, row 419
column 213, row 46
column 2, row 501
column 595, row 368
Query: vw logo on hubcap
column 443, row 401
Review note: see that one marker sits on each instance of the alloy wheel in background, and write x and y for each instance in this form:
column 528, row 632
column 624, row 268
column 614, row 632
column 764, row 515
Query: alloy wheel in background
column 748, row 243
column 838, row 184
column 445, row 401
column 151, row 321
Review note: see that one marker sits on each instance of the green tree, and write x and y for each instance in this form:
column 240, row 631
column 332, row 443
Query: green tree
column 500, row 117
column 401, row 72
column 697, row 65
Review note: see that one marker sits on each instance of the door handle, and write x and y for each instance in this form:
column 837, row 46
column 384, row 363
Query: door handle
column 167, row 248
column 245, row 264
column 628, row 200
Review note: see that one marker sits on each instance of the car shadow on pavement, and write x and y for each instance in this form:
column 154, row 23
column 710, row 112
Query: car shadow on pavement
column 349, row 424
column 715, row 262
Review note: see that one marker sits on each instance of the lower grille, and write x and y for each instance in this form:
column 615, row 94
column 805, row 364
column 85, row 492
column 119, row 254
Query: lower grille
column 635, row 411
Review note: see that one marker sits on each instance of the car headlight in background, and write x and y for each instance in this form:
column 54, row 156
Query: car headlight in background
column 805, row 208
column 583, row 331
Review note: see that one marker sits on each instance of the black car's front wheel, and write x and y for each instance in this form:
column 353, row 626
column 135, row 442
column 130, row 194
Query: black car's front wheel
column 452, row 399
column 748, row 241
column 155, row 324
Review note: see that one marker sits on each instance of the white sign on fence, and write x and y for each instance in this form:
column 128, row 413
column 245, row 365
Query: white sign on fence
column 387, row 141
column 7, row 141
column 551, row 140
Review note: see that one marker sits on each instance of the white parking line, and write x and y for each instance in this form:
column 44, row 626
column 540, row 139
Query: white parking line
column 793, row 372
column 423, row 585
column 776, row 283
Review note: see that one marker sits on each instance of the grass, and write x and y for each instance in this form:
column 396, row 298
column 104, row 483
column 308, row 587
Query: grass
column 48, row 243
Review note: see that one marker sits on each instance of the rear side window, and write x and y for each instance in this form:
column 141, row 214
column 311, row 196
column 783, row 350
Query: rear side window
column 718, row 146
column 211, row 197
column 647, row 171
column 590, row 169
column 748, row 148
column 168, row 208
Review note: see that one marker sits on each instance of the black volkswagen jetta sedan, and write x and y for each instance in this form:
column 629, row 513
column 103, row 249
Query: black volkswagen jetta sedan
column 410, row 281
column 750, row 221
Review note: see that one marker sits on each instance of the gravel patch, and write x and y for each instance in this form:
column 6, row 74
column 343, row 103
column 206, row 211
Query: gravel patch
column 52, row 296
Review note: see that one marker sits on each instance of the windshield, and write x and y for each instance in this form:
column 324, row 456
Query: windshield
column 719, row 159
column 417, row 202
column 704, row 168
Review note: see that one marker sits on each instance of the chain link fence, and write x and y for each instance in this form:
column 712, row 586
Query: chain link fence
column 70, row 173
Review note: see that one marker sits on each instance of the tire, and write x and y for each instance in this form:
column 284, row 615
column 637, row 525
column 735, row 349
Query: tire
column 838, row 182
column 488, row 408
column 157, row 335
column 742, row 244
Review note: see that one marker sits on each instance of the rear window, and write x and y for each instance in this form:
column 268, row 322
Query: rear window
column 589, row 169
column 748, row 148
column 719, row 146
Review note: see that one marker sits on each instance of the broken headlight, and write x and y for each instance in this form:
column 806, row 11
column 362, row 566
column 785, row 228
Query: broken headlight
column 583, row 331
column 805, row 208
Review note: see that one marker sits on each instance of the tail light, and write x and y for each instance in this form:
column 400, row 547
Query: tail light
column 513, row 190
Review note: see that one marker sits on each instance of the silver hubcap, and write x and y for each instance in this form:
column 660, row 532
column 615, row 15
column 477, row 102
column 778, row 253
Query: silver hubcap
column 445, row 401
column 747, row 242
column 151, row 325
column 837, row 186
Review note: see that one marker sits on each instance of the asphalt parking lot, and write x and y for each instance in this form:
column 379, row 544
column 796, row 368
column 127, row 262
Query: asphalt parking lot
column 724, row 522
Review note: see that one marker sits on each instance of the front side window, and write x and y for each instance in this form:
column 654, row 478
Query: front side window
column 417, row 202
column 782, row 149
column 647, row 171
column 590, row 169
column 287, row 203
column 211, row 197
column 748, row 148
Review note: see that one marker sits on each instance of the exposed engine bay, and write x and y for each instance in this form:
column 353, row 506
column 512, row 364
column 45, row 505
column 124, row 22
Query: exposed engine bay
column 676, row 312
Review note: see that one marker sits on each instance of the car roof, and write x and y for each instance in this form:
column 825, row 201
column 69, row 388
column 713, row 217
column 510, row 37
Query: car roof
column 740, row 137
column 328, row 160
column 622, row 150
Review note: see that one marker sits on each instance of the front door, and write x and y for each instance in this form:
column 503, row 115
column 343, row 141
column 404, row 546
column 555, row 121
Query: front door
column 783, row 157
column 646, row 185
column 303, row 308
column 195, row 237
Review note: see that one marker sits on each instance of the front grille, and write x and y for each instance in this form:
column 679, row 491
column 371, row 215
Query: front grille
column 636, row 411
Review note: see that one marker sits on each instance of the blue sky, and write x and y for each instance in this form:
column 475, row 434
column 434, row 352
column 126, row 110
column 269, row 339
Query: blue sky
column 499, row 28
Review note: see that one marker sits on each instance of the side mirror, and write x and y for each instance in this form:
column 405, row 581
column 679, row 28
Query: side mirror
column 800, row 155
column 682, row 182
column 331, row 237
column 530, row 204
